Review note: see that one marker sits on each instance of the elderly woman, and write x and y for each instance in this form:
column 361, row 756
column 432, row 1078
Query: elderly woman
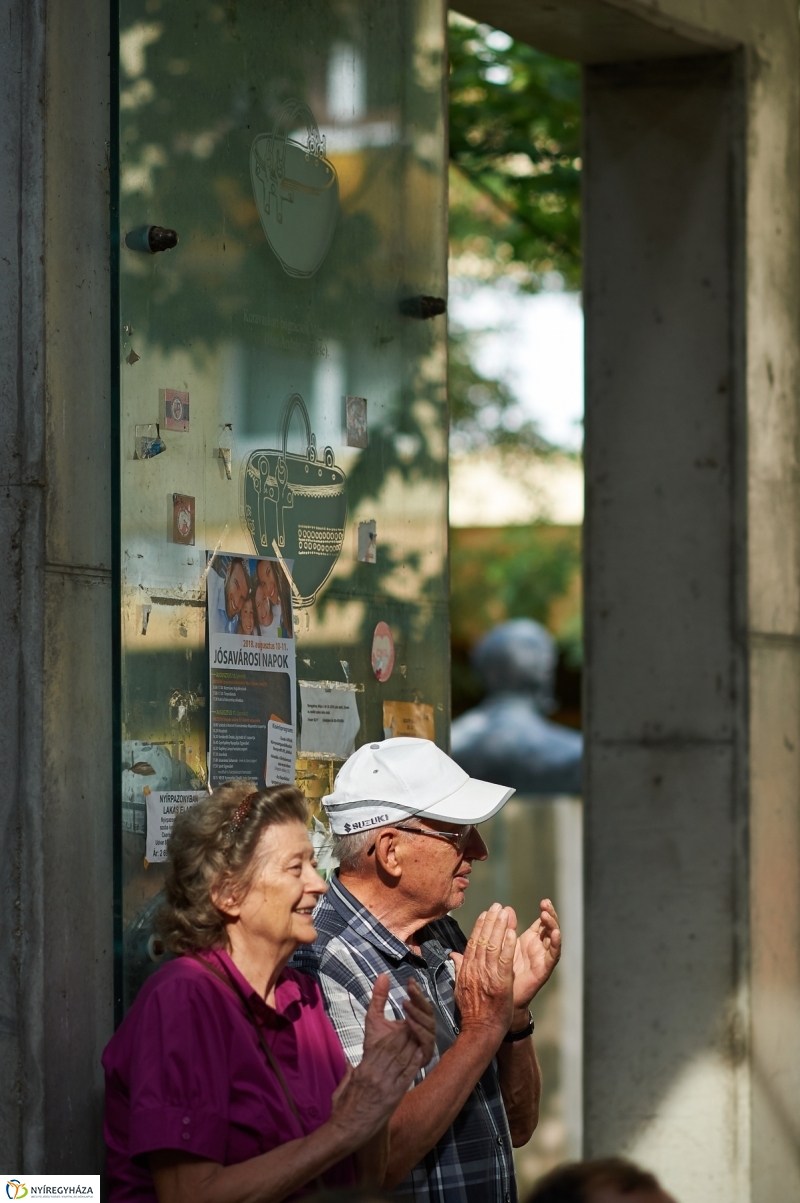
column 225, row 1082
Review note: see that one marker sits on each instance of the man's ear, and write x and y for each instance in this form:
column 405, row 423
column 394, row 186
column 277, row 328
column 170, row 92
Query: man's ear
column 386, row 853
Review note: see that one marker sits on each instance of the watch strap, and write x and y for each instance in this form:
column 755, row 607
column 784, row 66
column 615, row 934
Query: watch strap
column 522, row 1034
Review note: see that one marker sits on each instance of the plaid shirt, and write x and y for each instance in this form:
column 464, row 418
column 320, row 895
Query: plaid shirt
column 472, row 1163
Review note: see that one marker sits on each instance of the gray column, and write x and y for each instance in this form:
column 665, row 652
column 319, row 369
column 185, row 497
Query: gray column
column 78, row 701
column 56, row 932
column 692, row 982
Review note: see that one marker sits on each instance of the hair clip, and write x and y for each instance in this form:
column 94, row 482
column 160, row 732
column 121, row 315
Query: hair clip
column 237, row 820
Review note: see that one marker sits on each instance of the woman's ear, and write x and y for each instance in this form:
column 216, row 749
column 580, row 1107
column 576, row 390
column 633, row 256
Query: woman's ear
column 386, row 853
column 225, row 899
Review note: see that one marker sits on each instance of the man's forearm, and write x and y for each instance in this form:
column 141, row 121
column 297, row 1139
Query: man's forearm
column 429, row 1109
column 520, row 1084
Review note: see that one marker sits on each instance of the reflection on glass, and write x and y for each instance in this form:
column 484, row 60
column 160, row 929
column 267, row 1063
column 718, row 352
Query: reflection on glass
column 299, row 154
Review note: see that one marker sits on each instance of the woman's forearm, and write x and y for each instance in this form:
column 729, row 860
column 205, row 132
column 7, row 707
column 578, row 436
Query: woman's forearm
column 181, row 1178
column 373, row 1158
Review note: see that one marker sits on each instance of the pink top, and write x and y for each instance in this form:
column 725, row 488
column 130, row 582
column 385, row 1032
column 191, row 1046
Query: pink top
column 186, row 1070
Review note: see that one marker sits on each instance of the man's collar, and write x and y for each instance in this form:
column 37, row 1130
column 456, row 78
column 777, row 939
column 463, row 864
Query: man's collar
column 363, row 923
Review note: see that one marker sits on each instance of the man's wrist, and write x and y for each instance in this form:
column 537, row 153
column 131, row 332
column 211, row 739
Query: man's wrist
column 483, row 1032
column 519, row 1031
column 519, row 1019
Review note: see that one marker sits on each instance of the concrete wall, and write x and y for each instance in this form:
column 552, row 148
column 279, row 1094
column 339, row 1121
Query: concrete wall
column 78, row 703
column 666, row 573
column 55, row 592
column 21, row 594
column 693, row 1049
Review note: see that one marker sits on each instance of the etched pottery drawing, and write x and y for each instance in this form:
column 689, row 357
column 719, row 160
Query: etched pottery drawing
column 296, row 190
column 295, row 506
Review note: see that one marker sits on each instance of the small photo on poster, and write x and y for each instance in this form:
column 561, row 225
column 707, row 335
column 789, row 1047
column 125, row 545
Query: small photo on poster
column 248, row 595
column 253, row 699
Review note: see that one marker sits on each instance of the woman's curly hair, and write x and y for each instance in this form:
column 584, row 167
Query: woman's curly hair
column 214, row 842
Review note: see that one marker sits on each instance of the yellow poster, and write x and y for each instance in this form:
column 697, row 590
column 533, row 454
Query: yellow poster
column 408, row 718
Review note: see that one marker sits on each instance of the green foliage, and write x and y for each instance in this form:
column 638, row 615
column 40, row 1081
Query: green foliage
column 515, row 158
column 519, row 572
column 520, row 575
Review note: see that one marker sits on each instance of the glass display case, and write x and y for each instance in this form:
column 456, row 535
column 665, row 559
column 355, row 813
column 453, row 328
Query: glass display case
column 282, row 380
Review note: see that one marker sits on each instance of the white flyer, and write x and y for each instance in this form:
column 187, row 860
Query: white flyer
column 162, row 807
column 330, row 719
column 279, row 768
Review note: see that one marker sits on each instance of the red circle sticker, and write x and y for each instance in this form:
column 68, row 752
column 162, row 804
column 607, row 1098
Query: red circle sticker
column 382, row 652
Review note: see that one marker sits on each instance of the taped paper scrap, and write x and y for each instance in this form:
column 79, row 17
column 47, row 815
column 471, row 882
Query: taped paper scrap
column 315, row 778
column 330, row 720
column 367, row 542
column 408, row 718
column 148, row 441
column 356, row 421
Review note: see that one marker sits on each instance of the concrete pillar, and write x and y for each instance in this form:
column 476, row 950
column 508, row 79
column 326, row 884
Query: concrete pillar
column 667, row 698
column 56, row 931
column 692, row 1039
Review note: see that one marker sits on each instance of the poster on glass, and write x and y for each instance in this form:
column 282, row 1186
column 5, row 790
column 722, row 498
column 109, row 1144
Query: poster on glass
column 252, row 669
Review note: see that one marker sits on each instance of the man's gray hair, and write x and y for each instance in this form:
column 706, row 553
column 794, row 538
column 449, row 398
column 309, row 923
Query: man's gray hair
column 349, row 849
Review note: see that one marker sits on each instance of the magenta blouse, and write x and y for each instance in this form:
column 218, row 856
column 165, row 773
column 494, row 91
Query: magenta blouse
column 186, row 1070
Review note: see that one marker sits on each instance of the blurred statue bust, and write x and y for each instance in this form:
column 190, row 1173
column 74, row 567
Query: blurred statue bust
column 506, row 738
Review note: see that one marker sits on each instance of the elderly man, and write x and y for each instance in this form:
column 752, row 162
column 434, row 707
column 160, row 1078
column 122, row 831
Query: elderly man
column 404, row 819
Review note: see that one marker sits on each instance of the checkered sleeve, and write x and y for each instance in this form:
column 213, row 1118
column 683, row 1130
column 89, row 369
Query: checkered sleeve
column 347, row 1015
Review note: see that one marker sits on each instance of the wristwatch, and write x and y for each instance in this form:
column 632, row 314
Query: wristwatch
column 522, row 1034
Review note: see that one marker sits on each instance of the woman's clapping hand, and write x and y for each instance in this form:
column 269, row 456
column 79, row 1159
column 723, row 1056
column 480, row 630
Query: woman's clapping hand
column 419, row 1017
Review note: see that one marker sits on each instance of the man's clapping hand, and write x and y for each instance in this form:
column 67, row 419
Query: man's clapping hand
column 484, row 974
column 536, row 955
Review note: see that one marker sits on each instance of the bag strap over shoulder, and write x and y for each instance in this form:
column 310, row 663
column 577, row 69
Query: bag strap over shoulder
column 227, row 980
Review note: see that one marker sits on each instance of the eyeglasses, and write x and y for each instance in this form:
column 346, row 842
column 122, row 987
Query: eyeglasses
column 458, row 839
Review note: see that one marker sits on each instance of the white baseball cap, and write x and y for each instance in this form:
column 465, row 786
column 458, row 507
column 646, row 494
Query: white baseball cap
column 384, row 783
